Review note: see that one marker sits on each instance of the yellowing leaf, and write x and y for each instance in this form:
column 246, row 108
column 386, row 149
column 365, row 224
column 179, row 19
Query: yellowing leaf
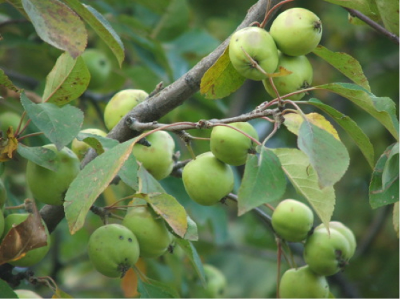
column 293, row 122
column 8, row 145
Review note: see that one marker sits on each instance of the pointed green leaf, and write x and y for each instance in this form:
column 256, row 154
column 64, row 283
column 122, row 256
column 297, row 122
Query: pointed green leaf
column 155, row 289
column 170, row 210
column 38, row 155
column 5, row 81
column 380, row 195
column 303, row 177
column 382, row 108
column 391, row 169
column 59, row 124
column 101, row 26
column 345, row 64
column 221, row 79
column 67, row 80
column 97, row 142
column 6, row 290
column 67, row 33
column 147, row 183
column 193, row 256
column 328, row 156
column 351, row 128
column 91, row 182
column 191, row 232
column 263, row 181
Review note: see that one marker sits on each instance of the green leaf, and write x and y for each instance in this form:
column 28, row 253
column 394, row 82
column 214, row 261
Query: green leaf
column 263, row 181
column 380, row 195
column 147, row 183
column 101, row 26
column 59, row 124
column 91, row 182
column 193, row 256
column 303, row 177
column 67, row 80
column 6, row 290
column 364, row 6
column 128, row 172
column 381, row 108
column 389, row 11
column 191, row 232
column 221, row 79
column 351, row 128
column 97, row 142
column 6, row 82
column 328, row 156
column 38, row 155
column 391, row 170
column 170, row 210
column 345, row 64
column 155, row 289
column 67, row 33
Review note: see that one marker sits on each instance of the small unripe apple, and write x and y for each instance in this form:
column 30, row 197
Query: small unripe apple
column 326, row 253
column 259, row 45
column 231, row 146
column 156, row 158
column 120, row 104
column 303, row 283
column 9, row 119
column 99, row 67
column 296, row 31
column 207, row 180
column 300, row 78
column 3, row 194
column 80, row 147
column 345, row 231
column 49, row 186
column 33, row 256
column 150, row 230
column 28, row 294
column 292, row 220
column 215, row 282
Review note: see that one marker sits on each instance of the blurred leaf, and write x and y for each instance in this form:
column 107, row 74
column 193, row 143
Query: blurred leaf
column 351, row 128
column 221, row 79
column 293, row 122
column 21, row 238
column 263, row 181
column 129, row 283
column 58, row 293
column 18, row 5
column 39, row 155
column 6, row 290
column 389, row 11
column 381, row 108
column 396, row 218
column 380, row 195
column 155, row 289
column 8, row 145
column 91, row 182
column 194, row 41
column 303, row 177
column 158, row 6
column 59, row 124
column 66, row 33
column 67, row 80
column 170, row 210
column 345, row 64
column 328, row 156
column 101, row 26
column 193, row 256
column 391, row 170
column 6, row 82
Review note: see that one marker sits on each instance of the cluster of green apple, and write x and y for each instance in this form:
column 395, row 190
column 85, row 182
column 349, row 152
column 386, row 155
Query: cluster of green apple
column 208, row 178
column 326, row 252
column 114, row 248
column 293, row 34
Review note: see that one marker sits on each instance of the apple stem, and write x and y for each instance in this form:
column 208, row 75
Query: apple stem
column 269, row 11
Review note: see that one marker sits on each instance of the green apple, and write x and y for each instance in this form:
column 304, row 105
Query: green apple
column 326, row 253
column 150, row 230
column 157, row 158
column 259, row 45
column 300, row 78
column 120, row 104
column 113, row 249
column 3, row 194
column 28, row 294
column 303, row 283
column 345, row 231
column 9, row 119
column 231, row 146
column 33, row 256
column 49, row 186
column 99, row 67
column 296, row 31
column 292, row 220
column 207, row 180
column 80, row 147
column 215, row 282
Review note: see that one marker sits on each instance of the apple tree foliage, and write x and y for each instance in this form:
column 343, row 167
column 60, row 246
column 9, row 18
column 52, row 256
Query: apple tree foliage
column 335, row 150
